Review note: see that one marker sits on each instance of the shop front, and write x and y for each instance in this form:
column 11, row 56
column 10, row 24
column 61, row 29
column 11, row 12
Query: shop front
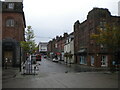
column 10, row 53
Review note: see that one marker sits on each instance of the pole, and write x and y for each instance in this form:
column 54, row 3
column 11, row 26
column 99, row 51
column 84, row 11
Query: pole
column 20, row 60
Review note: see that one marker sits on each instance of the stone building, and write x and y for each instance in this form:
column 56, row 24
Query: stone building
column 13, row 27
column 87, row 51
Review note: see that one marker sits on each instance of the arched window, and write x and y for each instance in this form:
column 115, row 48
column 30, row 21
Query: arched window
column 10, row 23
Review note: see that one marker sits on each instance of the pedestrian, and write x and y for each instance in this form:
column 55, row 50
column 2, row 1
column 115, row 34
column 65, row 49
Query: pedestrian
column 113, row 66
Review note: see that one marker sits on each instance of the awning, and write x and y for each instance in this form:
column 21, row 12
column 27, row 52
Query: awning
column 58, row 53
column 82, row 51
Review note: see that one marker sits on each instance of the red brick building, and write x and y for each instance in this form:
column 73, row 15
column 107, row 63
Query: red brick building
column 56, row 46
column 87, row 51
column 13, row 27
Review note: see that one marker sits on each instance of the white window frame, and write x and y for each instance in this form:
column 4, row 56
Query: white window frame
column 11, row 5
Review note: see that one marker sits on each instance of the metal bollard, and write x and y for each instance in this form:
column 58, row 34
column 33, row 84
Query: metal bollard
column 34, row 69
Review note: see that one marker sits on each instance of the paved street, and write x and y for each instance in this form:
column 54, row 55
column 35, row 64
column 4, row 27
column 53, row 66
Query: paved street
column 56, row 75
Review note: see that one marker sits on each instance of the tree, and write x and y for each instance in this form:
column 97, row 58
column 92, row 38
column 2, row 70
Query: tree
column 29, row 45
column 109, row 37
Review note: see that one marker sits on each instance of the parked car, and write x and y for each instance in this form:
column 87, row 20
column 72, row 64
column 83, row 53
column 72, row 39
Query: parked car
column 55, row 60
column 38, row 57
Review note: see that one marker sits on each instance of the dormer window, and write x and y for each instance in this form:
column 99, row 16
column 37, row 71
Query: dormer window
column 11, row 6
column 10, row 23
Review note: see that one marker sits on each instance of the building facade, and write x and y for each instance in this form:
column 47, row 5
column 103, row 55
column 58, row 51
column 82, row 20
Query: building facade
column 87, row 51
column 56, row 46
column 69, row 48
column 43, row 48
column 13, row 27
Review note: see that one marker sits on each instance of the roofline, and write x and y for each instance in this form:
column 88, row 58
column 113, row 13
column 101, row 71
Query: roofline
column 12, row 1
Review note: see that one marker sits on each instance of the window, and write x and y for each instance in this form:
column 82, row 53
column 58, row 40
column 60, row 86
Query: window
column 92, row 60
column 56, row 46
column 11, row 6
column 10, row 23
column 83, row 60
column 101, row 45
column 104, row 61
column 102, row 24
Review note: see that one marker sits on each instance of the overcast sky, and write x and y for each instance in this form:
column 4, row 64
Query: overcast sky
column 49, row 18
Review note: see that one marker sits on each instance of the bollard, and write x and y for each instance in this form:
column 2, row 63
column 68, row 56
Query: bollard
column 23, row 69
column 34, row 69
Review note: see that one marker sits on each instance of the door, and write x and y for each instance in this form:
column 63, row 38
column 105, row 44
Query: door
column 8, row 55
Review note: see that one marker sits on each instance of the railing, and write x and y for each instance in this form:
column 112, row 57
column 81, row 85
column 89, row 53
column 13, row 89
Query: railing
column 29, row 69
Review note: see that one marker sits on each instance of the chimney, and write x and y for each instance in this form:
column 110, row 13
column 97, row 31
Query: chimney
column 57, row 37
column 65, row 34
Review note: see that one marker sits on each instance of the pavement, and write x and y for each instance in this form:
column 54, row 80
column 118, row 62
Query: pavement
column 84, row 68
column 10, row 72
column 64, row 80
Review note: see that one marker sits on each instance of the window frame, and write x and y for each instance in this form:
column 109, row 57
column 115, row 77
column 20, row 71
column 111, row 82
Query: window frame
column 10, row 22
column 83, row 60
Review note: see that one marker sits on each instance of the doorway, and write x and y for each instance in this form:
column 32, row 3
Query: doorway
column 8, row 55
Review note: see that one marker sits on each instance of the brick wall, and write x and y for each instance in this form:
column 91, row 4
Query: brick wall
column 16, row 32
